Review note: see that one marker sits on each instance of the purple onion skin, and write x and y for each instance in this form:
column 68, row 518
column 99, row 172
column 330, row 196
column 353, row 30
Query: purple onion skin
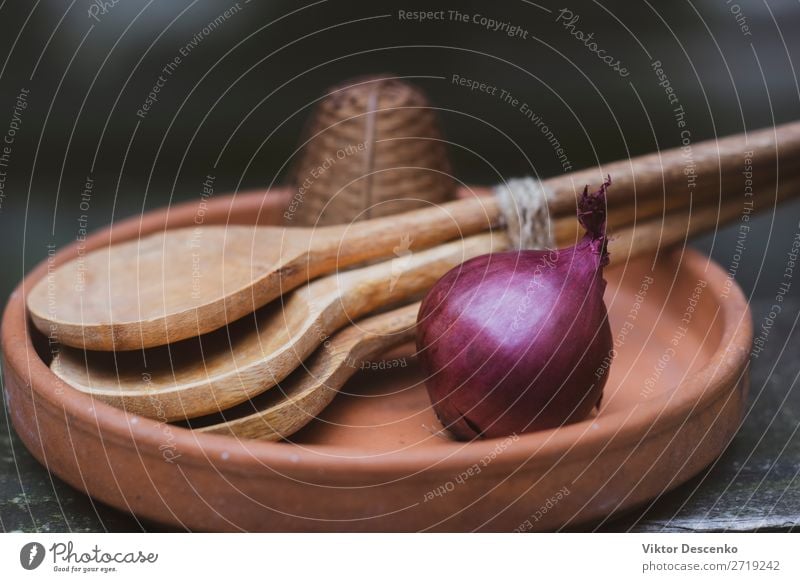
column 515, row 342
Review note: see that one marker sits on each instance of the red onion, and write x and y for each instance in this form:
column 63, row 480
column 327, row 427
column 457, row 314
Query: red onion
column 519, row 341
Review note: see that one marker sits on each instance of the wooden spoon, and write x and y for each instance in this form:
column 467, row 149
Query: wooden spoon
column 213, row 372
column 182, row 283
column 186, row 282
column 283, row 411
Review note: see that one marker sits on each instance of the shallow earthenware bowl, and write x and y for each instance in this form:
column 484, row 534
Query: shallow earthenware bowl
column 373, row 461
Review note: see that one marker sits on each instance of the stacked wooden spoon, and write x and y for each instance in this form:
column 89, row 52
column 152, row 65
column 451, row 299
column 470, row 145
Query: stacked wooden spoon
column 190, row 322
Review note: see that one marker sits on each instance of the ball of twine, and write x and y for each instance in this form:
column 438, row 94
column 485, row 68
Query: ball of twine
column 373, row 147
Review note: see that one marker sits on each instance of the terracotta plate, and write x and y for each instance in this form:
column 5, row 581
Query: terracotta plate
column 373, row 461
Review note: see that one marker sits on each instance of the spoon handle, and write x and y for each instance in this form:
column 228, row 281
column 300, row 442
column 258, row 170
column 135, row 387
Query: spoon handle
column 410, row 273
column 373, row 239
column 713, row 165
column 371, row 337
column 649, row 237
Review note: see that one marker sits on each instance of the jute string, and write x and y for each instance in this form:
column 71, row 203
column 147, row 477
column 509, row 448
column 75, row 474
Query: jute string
column 523, row 203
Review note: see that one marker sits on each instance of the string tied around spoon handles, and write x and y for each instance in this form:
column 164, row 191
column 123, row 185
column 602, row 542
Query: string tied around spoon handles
column 524, row 206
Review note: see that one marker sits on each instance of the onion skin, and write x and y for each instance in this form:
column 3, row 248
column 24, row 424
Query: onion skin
column 512, row 342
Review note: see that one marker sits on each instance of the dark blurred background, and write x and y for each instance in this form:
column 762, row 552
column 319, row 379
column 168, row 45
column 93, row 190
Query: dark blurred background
column 235, row 105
